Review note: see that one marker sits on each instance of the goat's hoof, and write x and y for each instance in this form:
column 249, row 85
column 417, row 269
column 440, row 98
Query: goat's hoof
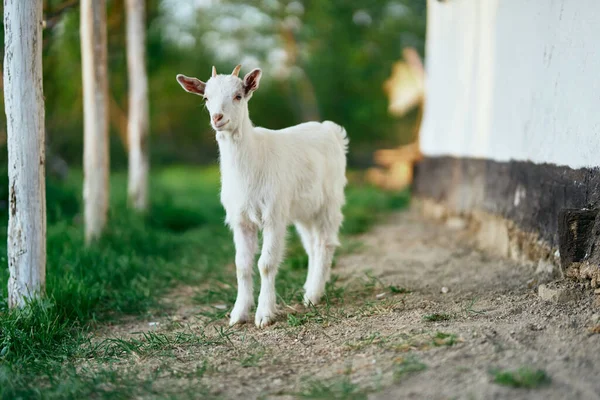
column 238, row 321
column 263, row 319
column 311, row 300
column 238, row 317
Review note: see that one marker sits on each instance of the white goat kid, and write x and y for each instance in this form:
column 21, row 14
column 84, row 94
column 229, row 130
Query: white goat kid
column 270, row 179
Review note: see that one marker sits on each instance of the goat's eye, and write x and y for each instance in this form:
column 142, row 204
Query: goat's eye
column 238, row 97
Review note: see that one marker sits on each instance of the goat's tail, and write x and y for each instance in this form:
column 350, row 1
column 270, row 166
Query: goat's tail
column 340, row 133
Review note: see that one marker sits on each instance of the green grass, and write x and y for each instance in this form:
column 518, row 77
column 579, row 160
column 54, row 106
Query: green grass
column 437, row 317
column 150, row 344
column 523, row 377
column 444, row 339
column 181, row 240
column 408, row 366
column 340, row 388
column 470, row 310
column 404, row 342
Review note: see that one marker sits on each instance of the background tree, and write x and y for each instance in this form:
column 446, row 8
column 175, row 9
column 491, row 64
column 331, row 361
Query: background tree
column 95, row 107
column 138, row 105
column 24, row 104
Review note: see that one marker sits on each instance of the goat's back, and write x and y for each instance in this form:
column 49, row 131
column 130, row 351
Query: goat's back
column 311, row 159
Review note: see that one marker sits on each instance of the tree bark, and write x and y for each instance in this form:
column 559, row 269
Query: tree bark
column 24, row 105
column 138, row 105
column 95, row 108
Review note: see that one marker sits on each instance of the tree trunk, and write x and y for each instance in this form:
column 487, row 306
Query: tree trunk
column 95, row 108
column 138, row 106
column 24, row 104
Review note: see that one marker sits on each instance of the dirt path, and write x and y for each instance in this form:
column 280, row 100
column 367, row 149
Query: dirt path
column 376, row 340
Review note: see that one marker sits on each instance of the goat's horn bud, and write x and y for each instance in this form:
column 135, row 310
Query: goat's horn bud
column 236, row 70
column 214, row 71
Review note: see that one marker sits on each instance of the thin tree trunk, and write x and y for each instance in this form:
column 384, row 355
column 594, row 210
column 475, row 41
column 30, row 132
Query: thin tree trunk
column 95, row 108
column 138, row 106
column 24, row 104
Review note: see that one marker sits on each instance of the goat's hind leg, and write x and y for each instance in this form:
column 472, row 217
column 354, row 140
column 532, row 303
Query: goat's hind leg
column 307, row 235
column 245, row 237
column 325, row 241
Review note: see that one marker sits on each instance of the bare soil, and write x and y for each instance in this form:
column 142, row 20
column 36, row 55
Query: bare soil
column 465, row 315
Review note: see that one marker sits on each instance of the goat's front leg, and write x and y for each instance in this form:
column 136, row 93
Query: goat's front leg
column 246, row 244
column 268, row 263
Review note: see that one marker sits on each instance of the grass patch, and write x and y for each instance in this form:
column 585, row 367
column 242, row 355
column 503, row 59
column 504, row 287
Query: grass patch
column 252, row 359
column 322, row 315
column 437, row 317
column 523, row 377
column 408, row 366
column 469, row 309
column 151, row 344
column 181, row 240
column 342, row 388
column 364, row 205
column 398, row 290
column 444, row 339
column 404, row 342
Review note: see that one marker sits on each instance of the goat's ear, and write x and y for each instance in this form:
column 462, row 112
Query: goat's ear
column 191, row 85
column 251, row 80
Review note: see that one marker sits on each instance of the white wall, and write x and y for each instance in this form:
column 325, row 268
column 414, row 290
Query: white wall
column 513, row 80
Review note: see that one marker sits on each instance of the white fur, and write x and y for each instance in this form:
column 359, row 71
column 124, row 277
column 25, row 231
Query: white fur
column 269, row 180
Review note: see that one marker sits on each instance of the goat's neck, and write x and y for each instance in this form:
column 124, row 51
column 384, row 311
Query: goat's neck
column 237, row 147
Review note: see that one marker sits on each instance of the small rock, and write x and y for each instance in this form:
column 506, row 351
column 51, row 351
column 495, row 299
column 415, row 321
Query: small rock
column 153, row 323
column 220, row 306
column 556, row 295
column 535, row 327
column 456, row 223
column 545, row 270
column 597, row 291
column 445, row 290
column 595, row 318
column 381, row 295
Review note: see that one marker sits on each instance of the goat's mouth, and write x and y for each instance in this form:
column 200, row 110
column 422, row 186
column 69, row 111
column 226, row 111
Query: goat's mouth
column 222, row 124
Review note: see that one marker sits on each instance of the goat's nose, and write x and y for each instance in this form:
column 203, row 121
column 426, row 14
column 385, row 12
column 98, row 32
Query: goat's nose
column 217, row 117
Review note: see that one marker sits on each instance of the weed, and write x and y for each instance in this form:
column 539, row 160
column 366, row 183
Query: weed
column 408, row 366
column 437, row 317
column 373, row 339
column 150, row 344
column 294, row 321
column 342, row 388
column 444, row 339
column 523, row 377
column 252, row 359
column 469, row 310
column 398, row 290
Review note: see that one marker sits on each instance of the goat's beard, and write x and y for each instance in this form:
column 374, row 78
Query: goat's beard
column 235, row 134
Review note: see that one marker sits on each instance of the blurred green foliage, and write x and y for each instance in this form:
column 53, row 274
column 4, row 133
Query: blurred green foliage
column 337, row 55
